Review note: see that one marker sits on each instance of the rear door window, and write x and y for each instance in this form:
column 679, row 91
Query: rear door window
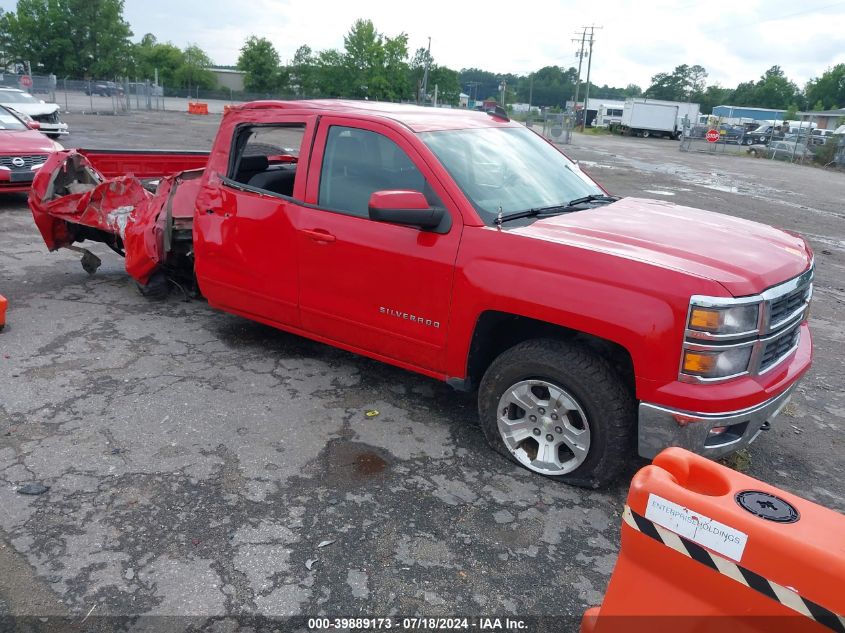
column 266, row 157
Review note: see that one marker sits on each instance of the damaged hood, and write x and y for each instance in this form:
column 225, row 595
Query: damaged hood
column 743, row 256
column 32, row 109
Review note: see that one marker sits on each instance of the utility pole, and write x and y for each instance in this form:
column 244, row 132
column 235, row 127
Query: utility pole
column 580, row 56
column 472, row 86
column 425, row 73
column 530, row 91
column 589, row 65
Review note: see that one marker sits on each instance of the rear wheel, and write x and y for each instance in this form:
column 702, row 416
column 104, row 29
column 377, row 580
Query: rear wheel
column 157, row 288
column 646, row 133
column 559, row 410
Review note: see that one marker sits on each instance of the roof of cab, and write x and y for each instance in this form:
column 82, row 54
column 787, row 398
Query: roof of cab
column 416, row 118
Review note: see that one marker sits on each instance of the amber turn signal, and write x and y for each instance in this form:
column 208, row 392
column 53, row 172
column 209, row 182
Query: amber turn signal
column 700, row 363
column 705, row 319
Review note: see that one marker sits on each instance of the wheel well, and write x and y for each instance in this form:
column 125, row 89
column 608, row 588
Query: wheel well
column 496, row 332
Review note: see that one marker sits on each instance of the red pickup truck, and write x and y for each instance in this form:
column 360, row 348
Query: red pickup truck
column 465, row 247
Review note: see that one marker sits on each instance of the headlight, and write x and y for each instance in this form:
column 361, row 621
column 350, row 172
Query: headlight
column 716, row 363
column 724, row 320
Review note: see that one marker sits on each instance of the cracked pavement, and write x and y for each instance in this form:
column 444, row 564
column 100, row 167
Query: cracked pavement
column 198, row 461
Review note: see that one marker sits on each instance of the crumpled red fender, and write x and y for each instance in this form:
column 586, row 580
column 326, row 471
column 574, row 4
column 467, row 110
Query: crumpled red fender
column 120, row 206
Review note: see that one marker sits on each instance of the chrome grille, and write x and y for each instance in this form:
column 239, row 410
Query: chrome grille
column 775, row 349
column 28, row 160
column 53, row 117
column 781, row 308
column 786, row 302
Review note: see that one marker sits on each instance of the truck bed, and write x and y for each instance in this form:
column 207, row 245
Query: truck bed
column 139, row 203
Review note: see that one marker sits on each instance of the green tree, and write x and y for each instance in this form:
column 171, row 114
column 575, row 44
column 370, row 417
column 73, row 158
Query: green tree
column 69, row 37
column 331, row 78
column 303, row 72
column 395, row 56
column 150, row 55
column 774, row 90
column 712, row 96
column 194, row 73
column 829, row 89
column 744, row 94
column 632, row 90
column 416, row 70
column 479, row 83
column 445, row 79
column 679, row 85
column 547, row 87
column 375, row 64
column 260, row 61
column 791, row 113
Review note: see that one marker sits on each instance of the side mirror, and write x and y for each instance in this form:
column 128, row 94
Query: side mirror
column 404, row 207
column 33, row 125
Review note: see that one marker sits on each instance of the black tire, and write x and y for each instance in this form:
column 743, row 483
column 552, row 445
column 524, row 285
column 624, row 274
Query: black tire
column 608, row 406
column 157, row 288
column 645, row 133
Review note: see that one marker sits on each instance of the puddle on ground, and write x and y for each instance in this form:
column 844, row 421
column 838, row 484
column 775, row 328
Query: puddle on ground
column 343, row 464
column 592, row 163
column 725, row 188
column 369, row 464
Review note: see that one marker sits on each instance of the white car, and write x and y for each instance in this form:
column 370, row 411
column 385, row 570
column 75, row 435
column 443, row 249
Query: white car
column 47, row 114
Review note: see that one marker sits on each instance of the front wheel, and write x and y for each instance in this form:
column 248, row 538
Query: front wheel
column 558, row 409
column 646, row 133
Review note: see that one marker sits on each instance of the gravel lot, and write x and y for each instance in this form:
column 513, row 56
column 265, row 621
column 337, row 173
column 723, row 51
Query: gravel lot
column 197, row 461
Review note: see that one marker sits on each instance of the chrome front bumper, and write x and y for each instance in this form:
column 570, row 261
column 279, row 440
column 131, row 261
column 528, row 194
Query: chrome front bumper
column 660, row 427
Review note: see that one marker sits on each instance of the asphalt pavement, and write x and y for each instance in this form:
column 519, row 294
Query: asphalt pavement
column 200, row 464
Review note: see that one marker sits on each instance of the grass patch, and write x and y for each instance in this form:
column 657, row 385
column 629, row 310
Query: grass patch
column 739, row 461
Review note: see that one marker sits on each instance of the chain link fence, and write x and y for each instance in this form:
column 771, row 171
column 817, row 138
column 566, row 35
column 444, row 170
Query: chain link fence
column 125, row 95
column 558, row 126
column 801, row 145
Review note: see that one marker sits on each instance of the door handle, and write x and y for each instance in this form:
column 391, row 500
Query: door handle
column 319, row 235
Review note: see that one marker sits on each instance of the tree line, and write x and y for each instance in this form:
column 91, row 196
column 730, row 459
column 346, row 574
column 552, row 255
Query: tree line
column 772, row 90
column 84, row 39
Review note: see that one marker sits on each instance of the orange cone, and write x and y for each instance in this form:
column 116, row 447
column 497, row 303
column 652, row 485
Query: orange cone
column 708, row 549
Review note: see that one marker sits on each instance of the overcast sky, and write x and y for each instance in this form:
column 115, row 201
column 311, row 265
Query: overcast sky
column 734, row 41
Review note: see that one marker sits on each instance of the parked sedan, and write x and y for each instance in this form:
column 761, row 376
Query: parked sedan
column 23, row 150
column 782, row 150
column 47, row 114
column 103, row 89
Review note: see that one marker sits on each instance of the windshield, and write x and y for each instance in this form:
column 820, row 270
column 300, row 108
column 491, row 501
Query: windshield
column 12, row 96
column 512, row 169
column 9, row 121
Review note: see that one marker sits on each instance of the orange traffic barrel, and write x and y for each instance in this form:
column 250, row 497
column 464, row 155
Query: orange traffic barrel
column 3, row 305
column 707, row 549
